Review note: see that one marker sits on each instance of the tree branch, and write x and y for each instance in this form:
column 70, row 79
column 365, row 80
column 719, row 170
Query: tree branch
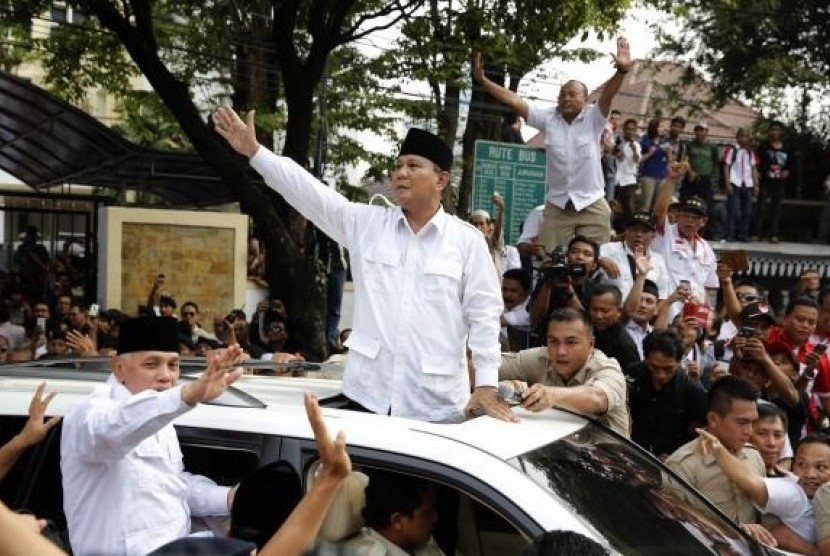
column 405, row 9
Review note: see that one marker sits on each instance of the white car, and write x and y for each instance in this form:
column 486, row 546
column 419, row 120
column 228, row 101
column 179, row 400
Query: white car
column 554, row 470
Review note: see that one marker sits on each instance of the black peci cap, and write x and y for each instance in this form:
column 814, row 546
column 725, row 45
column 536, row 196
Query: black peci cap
column 148, row 334
column 431, row 147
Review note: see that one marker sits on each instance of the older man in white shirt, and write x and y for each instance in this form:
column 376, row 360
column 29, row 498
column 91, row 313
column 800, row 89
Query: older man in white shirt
column 619, row 257
column 575, row 200
column 124, row 486
column 425, row 284
column 690, row 260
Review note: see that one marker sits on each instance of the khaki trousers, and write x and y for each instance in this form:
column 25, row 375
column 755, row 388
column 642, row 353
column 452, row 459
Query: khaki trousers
column 559, row 226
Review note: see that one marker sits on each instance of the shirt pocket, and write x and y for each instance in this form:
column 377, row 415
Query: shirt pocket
column 584, row 148
column 440, row 367
column 381, row 266
column 442, row 279
column 363, row 344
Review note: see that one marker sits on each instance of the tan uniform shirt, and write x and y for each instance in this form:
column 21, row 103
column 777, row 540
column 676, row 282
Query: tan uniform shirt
column 534, row 366
column 705, row 475
column 821, row 510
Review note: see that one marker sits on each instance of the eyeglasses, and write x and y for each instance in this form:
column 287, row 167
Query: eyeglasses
column 749, row 297
column 4, row 350
column 188, row 314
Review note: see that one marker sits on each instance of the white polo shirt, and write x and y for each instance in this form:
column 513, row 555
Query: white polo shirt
column 787, row 501
column 573, row 155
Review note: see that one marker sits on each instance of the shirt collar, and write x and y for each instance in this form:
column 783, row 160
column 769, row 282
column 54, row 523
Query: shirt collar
column 438, row 221
column 631, row 324
column 580, row 116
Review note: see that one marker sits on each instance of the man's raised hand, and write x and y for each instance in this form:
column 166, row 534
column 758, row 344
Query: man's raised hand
column 221, row 372
column 36, row 427
column 622, row 58
column 478, row 68
column 334, row 460
column 241, row 136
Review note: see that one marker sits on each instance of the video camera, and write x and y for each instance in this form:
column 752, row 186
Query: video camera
column 560, row 270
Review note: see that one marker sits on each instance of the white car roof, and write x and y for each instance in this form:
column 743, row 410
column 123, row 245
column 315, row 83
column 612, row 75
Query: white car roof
column 283, row 398
column 477, row 447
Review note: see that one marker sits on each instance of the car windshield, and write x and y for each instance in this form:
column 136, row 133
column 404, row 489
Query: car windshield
column 629, row 498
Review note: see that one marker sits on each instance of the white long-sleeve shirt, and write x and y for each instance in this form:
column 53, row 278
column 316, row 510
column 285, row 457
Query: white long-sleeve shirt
column 125, row 490
column 420, row 299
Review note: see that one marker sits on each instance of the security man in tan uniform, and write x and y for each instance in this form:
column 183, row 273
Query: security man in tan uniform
column 731, row 410
column 570, row 373
column 821, row 509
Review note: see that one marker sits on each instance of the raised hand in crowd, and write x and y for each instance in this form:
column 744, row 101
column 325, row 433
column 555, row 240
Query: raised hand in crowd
column 35, row 429
column 298, row 532
column 81, row 344
column 642, row 262
column 610, row 268
column 693, row 369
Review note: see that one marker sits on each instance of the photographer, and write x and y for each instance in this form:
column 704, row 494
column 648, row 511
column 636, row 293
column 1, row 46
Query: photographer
column 757, row 366
column 566, row 280
column 266, row 313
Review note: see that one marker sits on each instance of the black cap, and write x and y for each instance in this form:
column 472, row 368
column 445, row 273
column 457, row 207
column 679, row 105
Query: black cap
column 757, row 310
column 650, row 287
column 644, row 218
column 149, row 334
column 694, row 204
column 194, row 546
column 431, row 147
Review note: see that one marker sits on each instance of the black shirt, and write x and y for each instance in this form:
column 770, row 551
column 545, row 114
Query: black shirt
column 616, row 342
column 664, row 420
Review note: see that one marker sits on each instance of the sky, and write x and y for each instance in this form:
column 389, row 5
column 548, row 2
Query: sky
column 641, row 38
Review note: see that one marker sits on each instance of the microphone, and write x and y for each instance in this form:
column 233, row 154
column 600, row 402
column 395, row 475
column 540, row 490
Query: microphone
column 511, row 391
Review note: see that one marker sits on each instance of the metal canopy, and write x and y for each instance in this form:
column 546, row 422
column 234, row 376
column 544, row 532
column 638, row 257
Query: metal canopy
column 46, row 142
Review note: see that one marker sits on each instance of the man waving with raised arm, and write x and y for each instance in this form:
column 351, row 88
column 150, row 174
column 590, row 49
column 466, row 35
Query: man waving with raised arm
column 425, row 285
column 575, row 203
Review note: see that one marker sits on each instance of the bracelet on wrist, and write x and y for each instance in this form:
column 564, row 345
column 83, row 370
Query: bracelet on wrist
column 620, row 70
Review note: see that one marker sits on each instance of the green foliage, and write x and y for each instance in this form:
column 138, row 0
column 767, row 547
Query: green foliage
column 16, row 46
column 145, row 120
column 749, row 45
column 78, row 58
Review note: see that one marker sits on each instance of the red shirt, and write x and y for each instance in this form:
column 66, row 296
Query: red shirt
column 821, row 385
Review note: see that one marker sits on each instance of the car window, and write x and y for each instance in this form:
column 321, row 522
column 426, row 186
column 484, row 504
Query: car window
column 629, row 498
column 465, row 524
column 34, row 483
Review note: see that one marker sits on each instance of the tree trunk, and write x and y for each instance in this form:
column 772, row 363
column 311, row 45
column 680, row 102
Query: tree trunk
column 288, row 270
column 483, row 122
